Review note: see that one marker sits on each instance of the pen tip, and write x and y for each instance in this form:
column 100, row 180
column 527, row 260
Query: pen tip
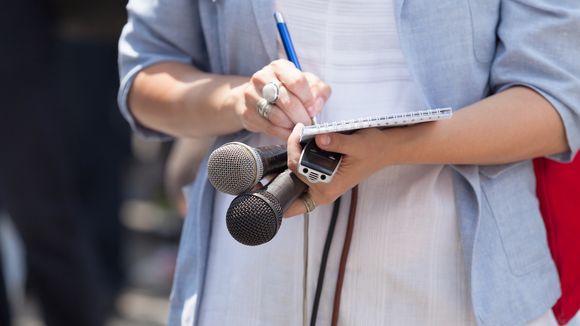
column 278, row 16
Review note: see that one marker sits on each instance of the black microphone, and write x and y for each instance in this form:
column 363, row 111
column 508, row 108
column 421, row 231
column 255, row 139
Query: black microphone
column 254, row 218
column 236, row 167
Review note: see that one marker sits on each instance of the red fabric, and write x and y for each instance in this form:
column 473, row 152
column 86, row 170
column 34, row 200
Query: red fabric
column 558, row 189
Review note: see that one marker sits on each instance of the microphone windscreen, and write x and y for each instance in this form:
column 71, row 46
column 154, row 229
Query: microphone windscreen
column 233, row 168
column 254, row 219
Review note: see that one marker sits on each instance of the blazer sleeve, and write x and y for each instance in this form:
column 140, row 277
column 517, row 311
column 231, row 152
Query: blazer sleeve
column 539, row 47
column 158, row 31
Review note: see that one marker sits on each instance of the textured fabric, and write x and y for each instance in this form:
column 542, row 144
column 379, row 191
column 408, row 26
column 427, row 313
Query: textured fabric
column 452, row 48
column 406, row 265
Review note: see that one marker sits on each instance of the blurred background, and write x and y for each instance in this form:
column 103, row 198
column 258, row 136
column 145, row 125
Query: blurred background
column 90, row 216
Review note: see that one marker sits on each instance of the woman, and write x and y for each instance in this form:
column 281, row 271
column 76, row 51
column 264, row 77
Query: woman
column 448, row 228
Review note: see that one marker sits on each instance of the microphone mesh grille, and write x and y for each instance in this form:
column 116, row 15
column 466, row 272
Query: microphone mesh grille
column 232, row 169
column 251, row 220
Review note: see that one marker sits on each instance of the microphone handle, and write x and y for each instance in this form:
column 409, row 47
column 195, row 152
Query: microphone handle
column 286, row 187
column 274, row 158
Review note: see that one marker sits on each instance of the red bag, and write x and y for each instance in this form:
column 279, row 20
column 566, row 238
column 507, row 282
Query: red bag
column 558, row 189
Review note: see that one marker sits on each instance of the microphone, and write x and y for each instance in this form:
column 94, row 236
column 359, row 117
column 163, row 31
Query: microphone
column 236, row 167
column 254, row 218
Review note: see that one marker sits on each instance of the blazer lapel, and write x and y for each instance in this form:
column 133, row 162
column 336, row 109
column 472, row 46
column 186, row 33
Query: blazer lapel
column 398, row 7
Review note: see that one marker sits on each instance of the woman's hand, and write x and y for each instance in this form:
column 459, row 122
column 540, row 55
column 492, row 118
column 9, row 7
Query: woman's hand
column 364, row 153
column 302, row 96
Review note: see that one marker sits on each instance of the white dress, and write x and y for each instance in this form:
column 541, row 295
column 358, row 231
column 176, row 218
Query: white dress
column 405, row 264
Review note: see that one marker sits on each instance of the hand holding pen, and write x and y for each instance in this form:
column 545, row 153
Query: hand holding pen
column 289, row 48
column 279, row 95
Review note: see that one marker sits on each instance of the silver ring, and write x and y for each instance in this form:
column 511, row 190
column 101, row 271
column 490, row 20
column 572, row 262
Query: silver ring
column 264, row 108
column 309, row 203
column 271, row 92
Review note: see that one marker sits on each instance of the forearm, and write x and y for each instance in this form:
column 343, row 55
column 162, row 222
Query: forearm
column 180, row 100
column 510, row 126
column 514, row 125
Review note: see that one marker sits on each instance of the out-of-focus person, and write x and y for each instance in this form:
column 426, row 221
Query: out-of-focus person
column 5, row 313
column 61, row 148
column 98, row 141
column 182, row 166
column 35, row 177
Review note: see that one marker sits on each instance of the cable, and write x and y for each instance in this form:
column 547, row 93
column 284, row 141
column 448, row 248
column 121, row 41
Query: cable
column 305, row 274
column 344, row 256
column 322, row 270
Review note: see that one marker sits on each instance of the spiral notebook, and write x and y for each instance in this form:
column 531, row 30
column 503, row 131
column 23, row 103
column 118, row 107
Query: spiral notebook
column 391, row 120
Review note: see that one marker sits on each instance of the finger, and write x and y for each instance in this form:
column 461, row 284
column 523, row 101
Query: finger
column 256, row 123
column 293, row 107
column 296, row 208
column 294, row 148
column 257, row 187
column 319, row 102
column 276, row 116
column 338, row 143
column 294, row 80
column 318, row 106
column 285, row 117
column 268, row 178
column 320, row 90
column 278, row 132
column 261, row 77
column 356, row 144
column 318, row 87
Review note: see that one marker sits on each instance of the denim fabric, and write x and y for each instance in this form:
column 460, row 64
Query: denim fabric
column 459, row 52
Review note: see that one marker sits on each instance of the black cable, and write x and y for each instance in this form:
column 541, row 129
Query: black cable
column 322, row 271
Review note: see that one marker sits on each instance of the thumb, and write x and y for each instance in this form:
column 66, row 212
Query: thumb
column 335, row 142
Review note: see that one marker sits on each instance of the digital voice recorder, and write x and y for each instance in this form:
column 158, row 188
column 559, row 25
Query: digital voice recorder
column 318, row 165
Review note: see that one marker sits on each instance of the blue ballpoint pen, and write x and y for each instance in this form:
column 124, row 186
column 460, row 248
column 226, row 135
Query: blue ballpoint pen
column 287, row 43
column 286, row 40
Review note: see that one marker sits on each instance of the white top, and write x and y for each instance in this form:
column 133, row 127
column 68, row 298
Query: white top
column 405, row 265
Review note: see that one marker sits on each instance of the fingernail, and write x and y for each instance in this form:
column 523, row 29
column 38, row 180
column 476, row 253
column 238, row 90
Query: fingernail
column 324, row 140
column 319, row 104
column 311, row 111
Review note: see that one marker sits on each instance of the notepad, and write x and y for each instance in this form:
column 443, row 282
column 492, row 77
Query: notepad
column 391, row 120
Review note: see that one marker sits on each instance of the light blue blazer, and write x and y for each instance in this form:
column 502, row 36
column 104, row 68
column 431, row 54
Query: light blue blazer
column 459, row 51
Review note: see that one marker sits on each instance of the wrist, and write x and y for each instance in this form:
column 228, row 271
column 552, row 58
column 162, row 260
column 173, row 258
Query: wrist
column 416, row 144
column 213, row 105
column 401, row 145
column 229, row 104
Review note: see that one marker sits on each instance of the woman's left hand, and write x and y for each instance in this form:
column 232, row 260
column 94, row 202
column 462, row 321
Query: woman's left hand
column 364, row 153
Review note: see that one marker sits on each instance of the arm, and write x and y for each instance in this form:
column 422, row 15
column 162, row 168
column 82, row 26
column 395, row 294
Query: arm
column 152, row 36
column 166, row 88
column 535, row 110
column 181, row 100
column 514, row 125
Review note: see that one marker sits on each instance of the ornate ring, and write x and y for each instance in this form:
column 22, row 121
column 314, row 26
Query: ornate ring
column 309, row 203
column 271, row 91
column 264, row 108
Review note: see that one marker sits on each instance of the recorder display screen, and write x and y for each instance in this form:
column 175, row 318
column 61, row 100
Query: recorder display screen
column 319, row 160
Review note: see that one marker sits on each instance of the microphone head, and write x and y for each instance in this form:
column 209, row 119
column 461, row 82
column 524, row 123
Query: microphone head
column 254, row 218
column 234, row 168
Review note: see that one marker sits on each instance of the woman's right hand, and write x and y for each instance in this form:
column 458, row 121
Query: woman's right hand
column 302, row 96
